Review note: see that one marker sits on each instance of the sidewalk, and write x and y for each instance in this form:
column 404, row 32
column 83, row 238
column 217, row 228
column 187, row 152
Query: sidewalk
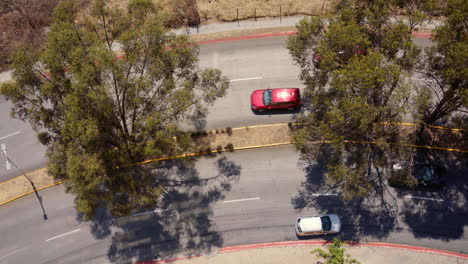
column 298, row 252
column 263, row 24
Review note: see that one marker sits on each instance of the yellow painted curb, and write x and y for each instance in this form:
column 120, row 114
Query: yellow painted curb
column 38, row 189
column 244, row 148
column 415, row 124
column 440, row 148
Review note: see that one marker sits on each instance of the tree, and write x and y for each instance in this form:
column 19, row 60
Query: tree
column 360, row 82
column 98, row 113
column 335, row 254
column 444, row 67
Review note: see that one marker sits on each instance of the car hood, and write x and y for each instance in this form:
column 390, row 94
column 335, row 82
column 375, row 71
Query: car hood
column 336, row 223
column 256, row 98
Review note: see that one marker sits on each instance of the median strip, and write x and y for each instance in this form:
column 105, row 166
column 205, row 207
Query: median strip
column 210, row 143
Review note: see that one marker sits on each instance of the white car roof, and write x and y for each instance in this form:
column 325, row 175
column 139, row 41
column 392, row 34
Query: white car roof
column 311, row 224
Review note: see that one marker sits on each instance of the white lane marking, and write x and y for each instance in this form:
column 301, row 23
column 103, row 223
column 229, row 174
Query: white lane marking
column 423, row 198
column 150, row 212
column 11, row 253
column 62, row 235
column 12, row 134
column 242, row 200
column 8, row 166
column 246, row 79
column 324, row 194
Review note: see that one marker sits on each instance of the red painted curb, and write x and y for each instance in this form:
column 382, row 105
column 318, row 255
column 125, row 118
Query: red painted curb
column 319, row 243
column 264, row 35
column 422, row 34
column 287, row 33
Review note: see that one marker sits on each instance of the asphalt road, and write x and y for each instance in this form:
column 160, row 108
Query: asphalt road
column 250, row 64
column 237, row 198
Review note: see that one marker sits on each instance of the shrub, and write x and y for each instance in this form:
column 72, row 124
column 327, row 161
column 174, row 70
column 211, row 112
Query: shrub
column 209, row 150
column 229, row 147
column 229, row 131
column 219, row 148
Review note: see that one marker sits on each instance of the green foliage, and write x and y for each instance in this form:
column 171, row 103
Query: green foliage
column 229, row 147
column 360, row 81
column 335, row 254
column 444, row 66
column 99, row 113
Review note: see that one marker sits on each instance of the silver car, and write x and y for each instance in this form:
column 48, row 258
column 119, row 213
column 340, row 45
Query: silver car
column 318, row 225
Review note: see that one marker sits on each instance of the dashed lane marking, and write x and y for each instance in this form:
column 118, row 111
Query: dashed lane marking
column 423, row 198
column 11, row 253
column 242, row 200
column 62, row 235
column 246, row 79
column 12, row 134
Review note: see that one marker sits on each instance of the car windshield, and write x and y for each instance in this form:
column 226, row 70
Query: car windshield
column 428, row 175
column 266, row 97
column 326, row 223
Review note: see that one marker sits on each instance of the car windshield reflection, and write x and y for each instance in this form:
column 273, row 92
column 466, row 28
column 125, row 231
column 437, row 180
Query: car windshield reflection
column 266, row 97
column 326, row 223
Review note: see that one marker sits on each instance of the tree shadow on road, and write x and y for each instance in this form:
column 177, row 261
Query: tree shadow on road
column 373, row 216
column 181, row 225
column 439, row 214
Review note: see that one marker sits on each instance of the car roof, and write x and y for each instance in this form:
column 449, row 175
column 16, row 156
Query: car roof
column 311, row 224
column 279, row 95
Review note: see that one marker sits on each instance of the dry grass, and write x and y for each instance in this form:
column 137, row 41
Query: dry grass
column 226, row 10
column 20, row 185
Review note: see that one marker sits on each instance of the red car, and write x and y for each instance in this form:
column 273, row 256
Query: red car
column 279, row 98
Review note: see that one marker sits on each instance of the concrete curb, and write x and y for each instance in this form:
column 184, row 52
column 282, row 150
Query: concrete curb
column 238, row 248
column 235, row 148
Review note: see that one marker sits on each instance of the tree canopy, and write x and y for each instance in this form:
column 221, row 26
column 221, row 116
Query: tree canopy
column 357, row 65
column 98, row 112
column 444, row 67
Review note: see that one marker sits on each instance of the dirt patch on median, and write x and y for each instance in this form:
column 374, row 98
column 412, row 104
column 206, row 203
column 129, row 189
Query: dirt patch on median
column 21, row 185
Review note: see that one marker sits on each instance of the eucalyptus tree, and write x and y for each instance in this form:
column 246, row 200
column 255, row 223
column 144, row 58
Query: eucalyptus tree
column 444, row 69
column 98, row 112
column 355, row 63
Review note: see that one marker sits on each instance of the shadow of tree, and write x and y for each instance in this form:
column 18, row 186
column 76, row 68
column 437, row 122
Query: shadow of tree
column 446, row 215
column 181, row 225
column 278, row 112
column 375, row 215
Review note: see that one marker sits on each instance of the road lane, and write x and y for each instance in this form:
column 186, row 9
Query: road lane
column 254, row 64
column 274, row 175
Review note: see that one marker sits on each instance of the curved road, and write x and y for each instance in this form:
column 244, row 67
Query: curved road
column 247, row 197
